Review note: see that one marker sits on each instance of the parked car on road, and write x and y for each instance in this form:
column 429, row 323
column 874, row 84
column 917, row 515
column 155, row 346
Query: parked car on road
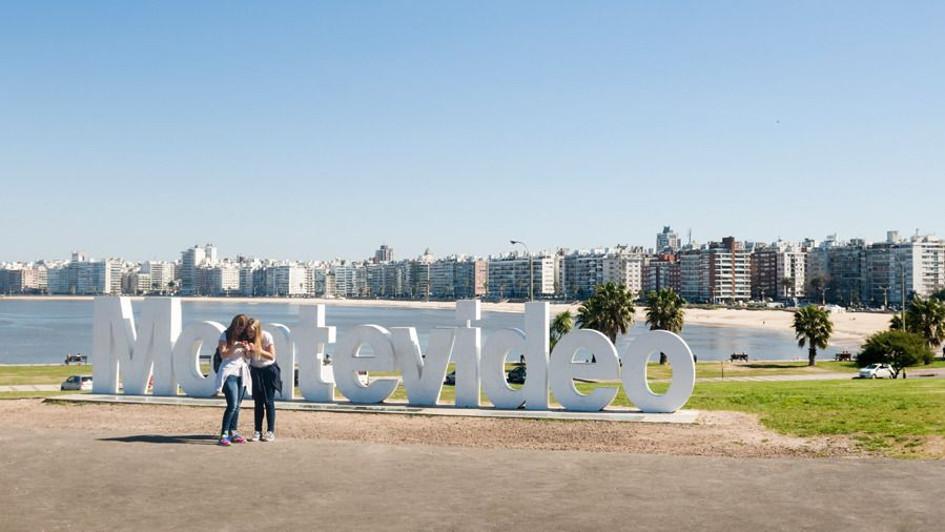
column 877, row 371
column 77, row 383
column 450, row 379
column 517, row 375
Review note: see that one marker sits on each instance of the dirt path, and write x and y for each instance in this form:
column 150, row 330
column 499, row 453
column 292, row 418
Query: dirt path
column 716, row 433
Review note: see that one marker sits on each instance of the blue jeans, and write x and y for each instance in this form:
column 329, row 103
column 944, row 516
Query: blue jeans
column 234, row 391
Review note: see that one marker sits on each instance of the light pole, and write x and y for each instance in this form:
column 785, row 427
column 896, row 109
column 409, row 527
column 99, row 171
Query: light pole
column 902, row 278
column 531, row 270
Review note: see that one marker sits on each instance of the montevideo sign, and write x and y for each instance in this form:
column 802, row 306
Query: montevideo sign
column 158, row 346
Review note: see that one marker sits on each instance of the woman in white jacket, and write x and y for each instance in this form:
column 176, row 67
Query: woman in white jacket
column 233, row 377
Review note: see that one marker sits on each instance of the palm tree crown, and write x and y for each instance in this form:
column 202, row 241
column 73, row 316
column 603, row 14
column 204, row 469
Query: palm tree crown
column 610, row 310
column 925, row 317
column 664, row 310
column 560, row 326
column 812, row 326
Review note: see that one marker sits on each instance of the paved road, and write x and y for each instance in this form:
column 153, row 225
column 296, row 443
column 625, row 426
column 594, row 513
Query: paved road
column 910, row 372
column 58, row 480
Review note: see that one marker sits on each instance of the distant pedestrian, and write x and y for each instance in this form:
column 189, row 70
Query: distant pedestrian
column 267, row 379
column 233, row 377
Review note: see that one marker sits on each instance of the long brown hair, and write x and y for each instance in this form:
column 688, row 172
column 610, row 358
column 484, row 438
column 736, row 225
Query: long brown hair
column 236, row 329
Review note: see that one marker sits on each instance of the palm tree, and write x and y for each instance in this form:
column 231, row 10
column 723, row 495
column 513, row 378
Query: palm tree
column 925, row 317
column 812, row 326
column 664, row 312
column 560, row 326
column 610, row 310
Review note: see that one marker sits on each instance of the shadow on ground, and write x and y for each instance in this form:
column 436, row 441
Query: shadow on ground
column 191, row 439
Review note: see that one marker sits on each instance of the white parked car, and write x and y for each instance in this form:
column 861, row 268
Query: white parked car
column 876, row 371
column 78, row 383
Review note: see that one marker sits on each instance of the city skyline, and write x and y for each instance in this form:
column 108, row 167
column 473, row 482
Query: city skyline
column 324, row 128
column 855, row 272
column 507, row 249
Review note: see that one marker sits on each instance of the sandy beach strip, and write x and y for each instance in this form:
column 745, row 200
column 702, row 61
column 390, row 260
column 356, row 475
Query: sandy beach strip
column 849, row 327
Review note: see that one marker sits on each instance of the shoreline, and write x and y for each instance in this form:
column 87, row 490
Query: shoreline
column 849, row 327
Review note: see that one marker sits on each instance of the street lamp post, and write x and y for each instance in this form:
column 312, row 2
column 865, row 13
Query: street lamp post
column 902, row 293
column 531, row 269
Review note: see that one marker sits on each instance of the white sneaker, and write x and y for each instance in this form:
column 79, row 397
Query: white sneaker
column 256, row 436
column 269, row 436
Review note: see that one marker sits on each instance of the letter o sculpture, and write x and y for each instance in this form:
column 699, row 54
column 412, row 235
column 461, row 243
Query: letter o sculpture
column 678, row 354
column 563, row 370
column 196, row 336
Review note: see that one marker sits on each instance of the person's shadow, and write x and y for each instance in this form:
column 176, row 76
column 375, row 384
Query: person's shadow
column 189, row 439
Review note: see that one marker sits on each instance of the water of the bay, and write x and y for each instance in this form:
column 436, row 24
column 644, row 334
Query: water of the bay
column 37, row 331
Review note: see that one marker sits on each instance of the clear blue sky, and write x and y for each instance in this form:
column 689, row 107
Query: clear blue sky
column 320, row 129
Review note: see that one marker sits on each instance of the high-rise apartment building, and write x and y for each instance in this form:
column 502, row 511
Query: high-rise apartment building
column 383, row 254
column 162, row 274
column 223, row 279
column 667, row 240
column 458, row 278
column 191, row 260
column 719, row 273
column 778, row 271
column 583, row 271
column 661, row 272
column 508, row 276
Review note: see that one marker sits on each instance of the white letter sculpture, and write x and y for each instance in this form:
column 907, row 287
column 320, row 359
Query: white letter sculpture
column 423, row 376
column 129, row 354
column 678, row 355
column 316, row 380
column 119, row 349
column 196, row 337
column 467, row 354
column 348, row 362
column 563, row 370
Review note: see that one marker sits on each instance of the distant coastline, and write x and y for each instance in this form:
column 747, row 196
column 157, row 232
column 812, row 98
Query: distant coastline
column 849, row 327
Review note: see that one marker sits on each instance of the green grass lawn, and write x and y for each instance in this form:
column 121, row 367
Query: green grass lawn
column 31, row 395
column 40, row 374
column 894, row 417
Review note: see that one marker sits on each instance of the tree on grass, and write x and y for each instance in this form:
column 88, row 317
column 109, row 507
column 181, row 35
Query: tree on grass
column 899, row 349
column 812, row 326
column 664, row 312
column 925, row 317
column 560, row 326
column 610, row 310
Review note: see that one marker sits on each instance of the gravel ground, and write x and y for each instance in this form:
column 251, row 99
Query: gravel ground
column 716, row 433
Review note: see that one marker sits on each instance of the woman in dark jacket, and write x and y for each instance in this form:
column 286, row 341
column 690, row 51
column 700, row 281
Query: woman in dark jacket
column 266, row 379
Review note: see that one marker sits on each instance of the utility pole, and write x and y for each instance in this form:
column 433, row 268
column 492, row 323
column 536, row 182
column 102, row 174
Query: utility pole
column 531, row 269
column 902, row 280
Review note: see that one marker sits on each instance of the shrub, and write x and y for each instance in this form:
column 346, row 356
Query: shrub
column 897, row 348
